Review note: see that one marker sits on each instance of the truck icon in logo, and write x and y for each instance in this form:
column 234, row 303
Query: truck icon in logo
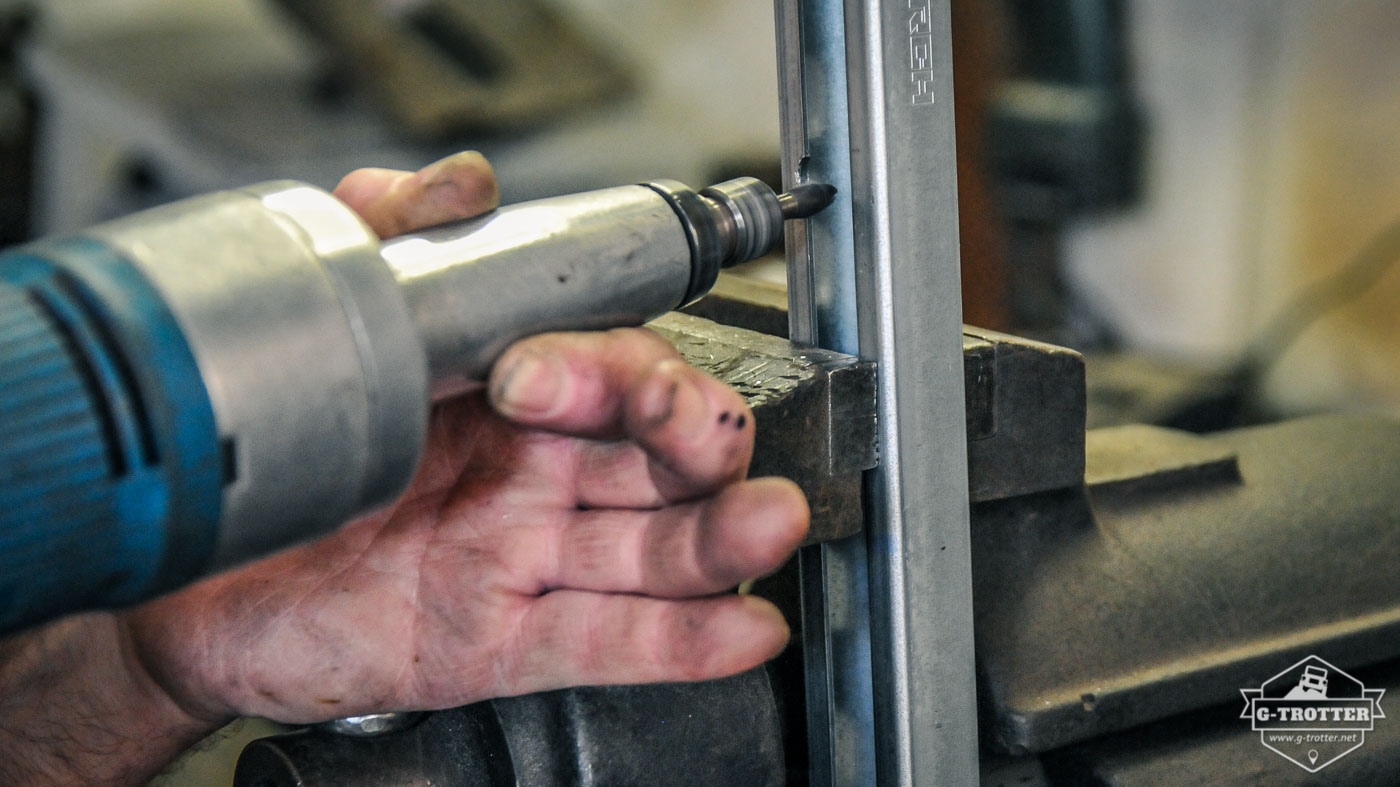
column 1312, row 686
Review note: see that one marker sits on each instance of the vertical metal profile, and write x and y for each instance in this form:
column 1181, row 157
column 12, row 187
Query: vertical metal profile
column 822, row 311
column 879, row 273
column 817, row 147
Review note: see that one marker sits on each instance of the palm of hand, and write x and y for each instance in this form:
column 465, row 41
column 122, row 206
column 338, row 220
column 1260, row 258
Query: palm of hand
column 520, row 559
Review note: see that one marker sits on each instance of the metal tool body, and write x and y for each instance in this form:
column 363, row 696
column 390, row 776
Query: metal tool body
column 199, row 384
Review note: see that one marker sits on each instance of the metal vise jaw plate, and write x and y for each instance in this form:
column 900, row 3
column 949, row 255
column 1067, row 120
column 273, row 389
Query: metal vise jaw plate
column 1025, row 399
column 814, row 412
column 1025, row 415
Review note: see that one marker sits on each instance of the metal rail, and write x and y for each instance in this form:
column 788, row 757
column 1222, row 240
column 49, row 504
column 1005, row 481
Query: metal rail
column 866, row 91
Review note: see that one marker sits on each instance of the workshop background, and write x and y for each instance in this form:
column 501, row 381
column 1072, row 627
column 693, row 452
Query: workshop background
column 1214, row 180
column 1265, row 147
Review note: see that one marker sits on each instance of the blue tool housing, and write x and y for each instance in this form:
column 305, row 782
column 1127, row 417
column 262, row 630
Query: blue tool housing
column 111, row 471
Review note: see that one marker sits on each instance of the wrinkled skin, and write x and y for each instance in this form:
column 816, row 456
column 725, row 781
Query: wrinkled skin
column 578, row 521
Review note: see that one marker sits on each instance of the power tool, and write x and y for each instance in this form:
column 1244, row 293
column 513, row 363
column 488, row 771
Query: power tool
column 199, row 384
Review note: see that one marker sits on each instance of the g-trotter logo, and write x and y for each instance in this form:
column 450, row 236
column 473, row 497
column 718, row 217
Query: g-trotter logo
column 1313, row 713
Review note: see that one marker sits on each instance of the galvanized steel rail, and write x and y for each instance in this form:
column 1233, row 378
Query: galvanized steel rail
column 867, row 105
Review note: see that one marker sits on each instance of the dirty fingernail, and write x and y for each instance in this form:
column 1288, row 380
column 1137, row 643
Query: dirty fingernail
column 675, row 402
column 660, row 400
column 690, row 412
column 532, row 385
column 440, row 171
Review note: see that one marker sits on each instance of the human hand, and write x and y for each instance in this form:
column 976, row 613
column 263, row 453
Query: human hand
column 576, row 523
column 576, row 526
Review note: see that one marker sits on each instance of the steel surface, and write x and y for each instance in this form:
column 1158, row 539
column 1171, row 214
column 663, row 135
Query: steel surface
column 822, row 311
column 891, row 280
column 904, row 200
column 1186, row 568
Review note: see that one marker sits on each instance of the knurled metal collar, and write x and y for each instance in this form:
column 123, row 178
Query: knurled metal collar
column 707, row 252
column 757, row 216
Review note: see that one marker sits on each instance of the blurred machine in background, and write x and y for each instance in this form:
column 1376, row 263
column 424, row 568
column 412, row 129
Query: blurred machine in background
column 1270, row 164
column 444, row 68
column 1065, row 141
column 170, row 99
column 1157, row 176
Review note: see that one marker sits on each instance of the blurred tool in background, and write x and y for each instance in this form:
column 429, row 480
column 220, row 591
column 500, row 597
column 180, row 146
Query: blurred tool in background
column 441, row 68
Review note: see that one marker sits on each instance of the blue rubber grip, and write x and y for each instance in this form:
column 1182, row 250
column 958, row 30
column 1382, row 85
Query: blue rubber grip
column 110, row 467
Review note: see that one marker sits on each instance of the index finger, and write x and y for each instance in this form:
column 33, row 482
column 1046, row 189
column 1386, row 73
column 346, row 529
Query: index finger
column 686, row 433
